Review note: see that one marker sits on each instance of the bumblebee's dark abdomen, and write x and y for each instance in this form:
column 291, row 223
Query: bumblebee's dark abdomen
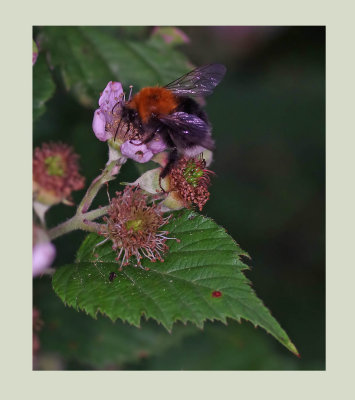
column 190, row 106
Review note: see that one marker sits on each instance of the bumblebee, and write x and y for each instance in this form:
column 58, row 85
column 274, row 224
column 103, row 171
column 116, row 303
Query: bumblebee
column 172, row 113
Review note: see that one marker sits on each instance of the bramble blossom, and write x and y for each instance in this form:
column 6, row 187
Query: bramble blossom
column 124, row 138
column 55, row 173
column 186, row 185
column 190, row 179
column 134, row 227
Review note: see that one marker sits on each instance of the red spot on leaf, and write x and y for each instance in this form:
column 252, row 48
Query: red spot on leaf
column 216, row 293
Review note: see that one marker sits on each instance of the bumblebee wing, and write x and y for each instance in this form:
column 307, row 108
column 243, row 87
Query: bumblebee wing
column 199, row 82
column 188, row 129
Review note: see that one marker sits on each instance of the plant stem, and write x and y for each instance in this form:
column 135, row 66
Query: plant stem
column 83, row 218
column 77, row 222
column 96, row 185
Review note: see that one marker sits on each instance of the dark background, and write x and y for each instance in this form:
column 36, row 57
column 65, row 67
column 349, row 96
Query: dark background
column 268, row 116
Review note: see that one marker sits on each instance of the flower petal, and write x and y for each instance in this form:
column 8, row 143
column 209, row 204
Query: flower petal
column 98, row 126
column 42, row 257
column 149, row 181
column 111, row 95
column 156, row 145
column 137, row 152
column 172, row 202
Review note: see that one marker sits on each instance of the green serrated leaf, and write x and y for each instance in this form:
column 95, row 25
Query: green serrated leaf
column 43, row 86
column 206, row 259
column 89, row 57
column 100, row 343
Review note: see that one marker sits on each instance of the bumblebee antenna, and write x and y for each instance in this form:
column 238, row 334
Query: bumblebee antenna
column 114, row 107
column 118, row 127
column 130, row 92
column 118, row 102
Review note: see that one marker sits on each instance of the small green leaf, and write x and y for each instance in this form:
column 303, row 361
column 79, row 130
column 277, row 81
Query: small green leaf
column 205, row 260
column 43, row 86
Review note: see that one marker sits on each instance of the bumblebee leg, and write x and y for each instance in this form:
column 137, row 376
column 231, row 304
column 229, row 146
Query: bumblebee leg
column 151, row 135
column 161, row 187
column 128, row 128
column 118, row 127
column 114, row 107
column 173, row 157
column 149, row 138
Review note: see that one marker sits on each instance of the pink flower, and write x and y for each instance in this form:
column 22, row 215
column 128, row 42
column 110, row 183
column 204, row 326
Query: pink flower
column 190, row 179
column 107, row 120
column 109, row 98
column 55, row 173
column 43, row 251
column 42, row 257
column 135, row 228
column 157, row 144
column 136, row 151
column 99, row 125
column 140, row 152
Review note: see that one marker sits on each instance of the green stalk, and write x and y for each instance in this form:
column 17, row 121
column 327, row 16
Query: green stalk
column 79, row 222
column 83, row 218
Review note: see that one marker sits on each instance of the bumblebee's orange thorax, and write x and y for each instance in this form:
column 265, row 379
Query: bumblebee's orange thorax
column 153, row 100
